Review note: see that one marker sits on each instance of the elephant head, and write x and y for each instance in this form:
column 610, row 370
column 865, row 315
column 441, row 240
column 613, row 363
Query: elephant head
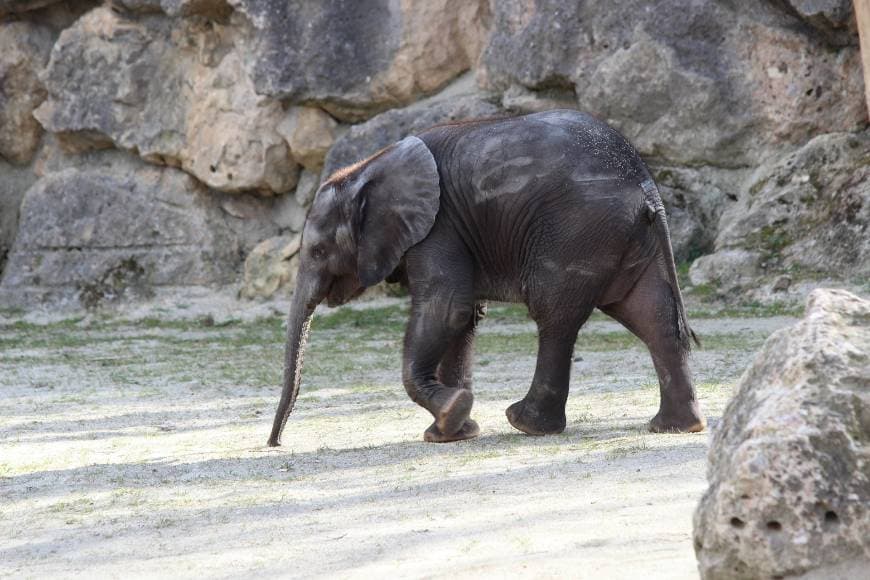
column 363, row 220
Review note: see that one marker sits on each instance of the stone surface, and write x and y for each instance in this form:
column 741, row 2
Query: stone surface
column 306, row 188
column 17, row 6
column 99, row 236
column 695, row 198
column 310, row 133
column 709, row 83
column 356, row 58
column 727, row 271
column 271, row 266
column 24, row 49
column 367, row 138
column 288, row 214
column 807, row 214
column 834, row 18
column 175, row 91
column 862, row 18
column 14, row 182
column 789, row 464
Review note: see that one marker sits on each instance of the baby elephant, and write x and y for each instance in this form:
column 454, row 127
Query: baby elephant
column 555, row 210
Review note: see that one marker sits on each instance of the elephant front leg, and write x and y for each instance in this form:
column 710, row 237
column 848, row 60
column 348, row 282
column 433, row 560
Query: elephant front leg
column 437, row 367
column 455, row 371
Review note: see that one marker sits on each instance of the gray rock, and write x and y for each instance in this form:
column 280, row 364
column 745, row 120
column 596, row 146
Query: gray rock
column 310, row 133
column 24, row 49
column 18, row 6
column 140, row 5
column 834, row 18
column 806, row 213
column 367, row 138
column 271, row 266
column 173, row 90
column 14, row 182
column 789, row 463
column 727, row 271
column 307, row 187
column 356, row 58
column 695, row 198
column 215, row 9
column 705, row 83
column 101, row 236
column 287, row 213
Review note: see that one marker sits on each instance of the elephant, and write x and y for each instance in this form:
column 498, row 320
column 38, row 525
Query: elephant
column 555, row 210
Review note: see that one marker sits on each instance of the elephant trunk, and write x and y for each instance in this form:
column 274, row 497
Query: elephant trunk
column 305, row 299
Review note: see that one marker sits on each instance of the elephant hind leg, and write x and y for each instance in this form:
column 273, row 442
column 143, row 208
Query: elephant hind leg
column 650, row 311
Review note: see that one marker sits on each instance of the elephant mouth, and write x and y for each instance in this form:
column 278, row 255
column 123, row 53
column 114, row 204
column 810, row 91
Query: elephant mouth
column 341, row 291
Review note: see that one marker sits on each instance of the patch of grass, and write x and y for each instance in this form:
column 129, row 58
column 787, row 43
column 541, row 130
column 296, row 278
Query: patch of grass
column 704, row 292
column 390, row 318
column 624, row 450
column 749, row 310
column 507, row 313
column 80, row 506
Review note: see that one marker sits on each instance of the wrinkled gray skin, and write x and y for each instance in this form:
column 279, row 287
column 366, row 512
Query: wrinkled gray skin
column 555, row 210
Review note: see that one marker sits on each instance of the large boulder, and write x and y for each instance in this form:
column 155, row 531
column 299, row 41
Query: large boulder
column 24, row 50
column 709, row 83
column 175, row 91
column 93, row 236
column 789, row 464
column 356, row 58
column 806, row 214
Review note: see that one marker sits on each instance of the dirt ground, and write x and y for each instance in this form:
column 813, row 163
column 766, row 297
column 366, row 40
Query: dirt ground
column 136, row 449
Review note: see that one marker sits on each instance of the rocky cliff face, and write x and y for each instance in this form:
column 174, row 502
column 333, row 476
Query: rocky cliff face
column 212, row 121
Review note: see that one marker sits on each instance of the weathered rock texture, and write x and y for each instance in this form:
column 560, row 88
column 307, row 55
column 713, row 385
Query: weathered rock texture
column 368, row 138
column 745, row 77
column 271, row 267
column 789, row 463
column 17, row 6
column 24, row 49
column 862, row 16
column 806, row 214
column 15, row 181
column 358, row 57
column 104, row 234
column 173, row 91
column 731, row 103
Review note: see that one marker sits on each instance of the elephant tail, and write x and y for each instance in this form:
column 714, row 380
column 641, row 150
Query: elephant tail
column 656, row 214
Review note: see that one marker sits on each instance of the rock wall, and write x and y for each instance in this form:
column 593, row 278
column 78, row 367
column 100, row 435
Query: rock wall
column 789, row 467
column 243, row 105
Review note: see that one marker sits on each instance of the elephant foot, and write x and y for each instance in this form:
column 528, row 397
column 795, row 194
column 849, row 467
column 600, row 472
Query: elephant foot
column 686, row 420
column 528, row 420
column 469, row 430
column 452, row 414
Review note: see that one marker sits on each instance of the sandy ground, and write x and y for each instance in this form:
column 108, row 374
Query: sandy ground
column 136, row 449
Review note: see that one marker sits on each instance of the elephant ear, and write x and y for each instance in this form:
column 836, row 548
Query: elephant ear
column 398, row 195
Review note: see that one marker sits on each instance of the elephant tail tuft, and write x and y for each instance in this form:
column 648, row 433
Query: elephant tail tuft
column 656, row 214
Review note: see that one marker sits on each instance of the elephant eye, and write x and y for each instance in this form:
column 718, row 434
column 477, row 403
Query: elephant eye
column 318, row 252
